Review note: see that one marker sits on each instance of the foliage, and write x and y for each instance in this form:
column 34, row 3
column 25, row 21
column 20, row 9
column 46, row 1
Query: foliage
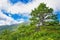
column 28, row 33
column 42, row 13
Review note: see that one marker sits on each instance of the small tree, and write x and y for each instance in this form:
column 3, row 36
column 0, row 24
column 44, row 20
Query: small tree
column 40, row 14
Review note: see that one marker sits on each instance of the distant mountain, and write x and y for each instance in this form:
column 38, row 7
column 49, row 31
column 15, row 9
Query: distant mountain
column 13, row 26
column 10, row 27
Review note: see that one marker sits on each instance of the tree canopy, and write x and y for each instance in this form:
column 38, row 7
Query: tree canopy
column 40, row 14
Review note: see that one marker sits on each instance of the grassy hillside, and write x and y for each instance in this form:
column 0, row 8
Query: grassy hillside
column 31, row 33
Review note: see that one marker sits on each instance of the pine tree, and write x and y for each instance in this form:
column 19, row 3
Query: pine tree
column 39, row 14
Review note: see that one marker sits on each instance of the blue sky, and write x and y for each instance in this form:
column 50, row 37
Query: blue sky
column 17, row 11
column 22, row 1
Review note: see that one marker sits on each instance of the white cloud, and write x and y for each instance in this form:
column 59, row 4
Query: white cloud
column 55, row 4
column 7, row 21
column 21, row 8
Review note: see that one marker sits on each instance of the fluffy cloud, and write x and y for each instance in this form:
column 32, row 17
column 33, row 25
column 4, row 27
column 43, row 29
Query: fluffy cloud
column 19, row 7
column 54, row 4
column 22, row 8
column 5, row 20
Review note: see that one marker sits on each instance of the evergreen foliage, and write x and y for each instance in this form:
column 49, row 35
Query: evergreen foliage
column 42, row 13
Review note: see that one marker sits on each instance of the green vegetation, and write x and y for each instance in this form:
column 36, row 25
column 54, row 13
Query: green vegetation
column 30, row 33
column 42, row 13
column 49, row 30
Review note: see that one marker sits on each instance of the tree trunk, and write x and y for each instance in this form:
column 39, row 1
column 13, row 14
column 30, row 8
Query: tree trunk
column 40, row 23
